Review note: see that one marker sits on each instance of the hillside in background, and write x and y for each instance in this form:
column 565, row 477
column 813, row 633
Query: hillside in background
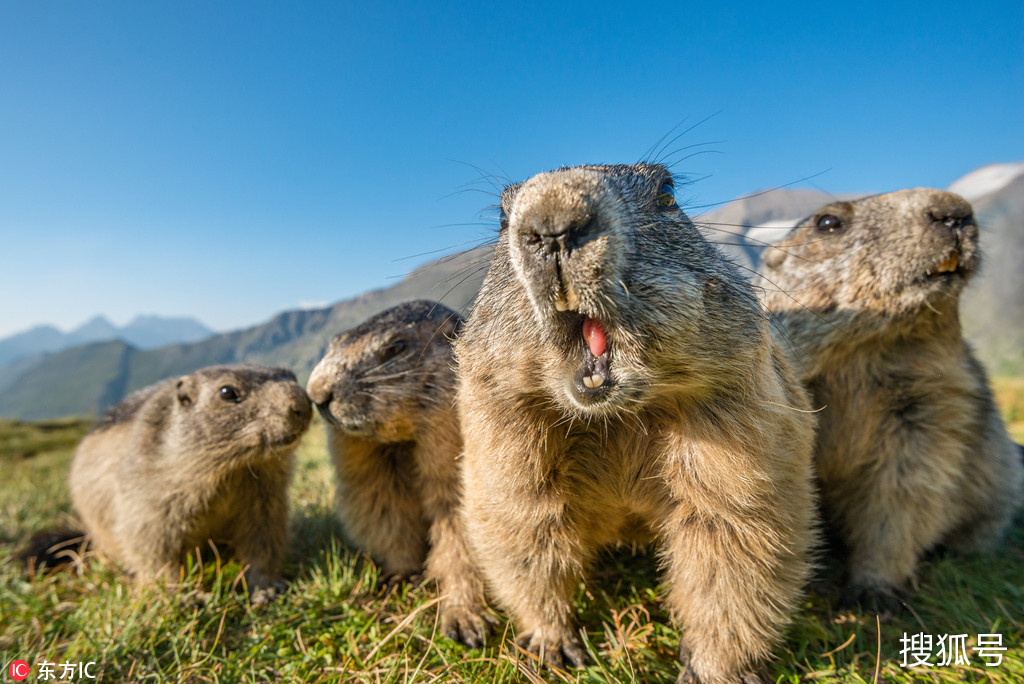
column 144, row 332
column 87, row 380
column 992, row 308
column 743, row 227
column 993, row 305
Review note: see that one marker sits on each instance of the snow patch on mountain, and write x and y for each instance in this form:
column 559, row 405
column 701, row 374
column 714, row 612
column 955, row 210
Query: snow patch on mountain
column 986, row 180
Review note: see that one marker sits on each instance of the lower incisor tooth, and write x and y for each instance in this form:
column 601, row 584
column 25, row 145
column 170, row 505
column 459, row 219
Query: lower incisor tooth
column 593, row 381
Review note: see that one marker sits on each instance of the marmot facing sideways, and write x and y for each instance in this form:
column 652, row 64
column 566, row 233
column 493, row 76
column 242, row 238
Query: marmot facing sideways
column 618, row 379
column 386, row 391
column 911, row 450
column 204, row 456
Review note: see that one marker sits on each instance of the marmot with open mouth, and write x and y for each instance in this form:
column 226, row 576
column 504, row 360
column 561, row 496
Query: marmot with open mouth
column 619, row 383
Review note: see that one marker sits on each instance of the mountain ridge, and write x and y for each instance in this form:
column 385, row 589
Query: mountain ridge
column 87, row 380
column 144, row 331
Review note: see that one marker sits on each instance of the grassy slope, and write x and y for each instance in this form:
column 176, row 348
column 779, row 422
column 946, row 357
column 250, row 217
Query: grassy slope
column 1009, row 394
column 74, row 381
column 334, row 625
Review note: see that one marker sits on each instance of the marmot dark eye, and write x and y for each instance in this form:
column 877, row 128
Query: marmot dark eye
column 502, row 218
column 666, row 196
column 393, row 350
column 229, row 393
column 829, row 223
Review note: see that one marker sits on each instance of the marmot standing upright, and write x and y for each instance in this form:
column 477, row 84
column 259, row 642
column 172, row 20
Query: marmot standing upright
column 911, row 450
column 618, row 380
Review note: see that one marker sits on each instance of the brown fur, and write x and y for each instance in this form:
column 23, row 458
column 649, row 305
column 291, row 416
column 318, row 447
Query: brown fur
column 394, row 437
column 179, row 463
column 698, row 437
column 911, row 450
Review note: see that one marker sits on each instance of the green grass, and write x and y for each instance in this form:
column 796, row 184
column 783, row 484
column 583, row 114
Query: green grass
column 1010, row 397
column 334, row 624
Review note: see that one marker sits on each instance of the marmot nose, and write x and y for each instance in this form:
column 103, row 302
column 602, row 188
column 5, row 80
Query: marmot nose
column 559, row 231
column 949, row 212
column 319, row 388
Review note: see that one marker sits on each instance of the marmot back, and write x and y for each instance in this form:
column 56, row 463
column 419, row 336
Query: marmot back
column 618, row 378
column 911, row 450
column 386, row 390
column 204, row 456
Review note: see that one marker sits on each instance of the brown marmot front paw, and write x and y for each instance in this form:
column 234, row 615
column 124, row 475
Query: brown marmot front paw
column 553, row 650
column 465, row 625
column 688, row 676
column 392, row 581
column 266, row 591
column 885, row 600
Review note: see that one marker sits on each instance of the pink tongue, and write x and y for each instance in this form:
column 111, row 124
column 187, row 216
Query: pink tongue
column 593, row 333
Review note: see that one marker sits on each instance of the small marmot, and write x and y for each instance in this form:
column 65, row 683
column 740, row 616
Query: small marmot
column 618, row 380
column 204, row 456
column 386, row 390
column 911, row 451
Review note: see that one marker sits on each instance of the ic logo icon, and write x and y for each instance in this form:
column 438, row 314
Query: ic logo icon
column 19, row 670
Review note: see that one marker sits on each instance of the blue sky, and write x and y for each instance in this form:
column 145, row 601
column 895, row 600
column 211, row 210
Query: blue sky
column 230, row 160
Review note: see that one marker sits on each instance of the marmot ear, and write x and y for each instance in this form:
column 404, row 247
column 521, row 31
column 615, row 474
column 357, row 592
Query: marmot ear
column 185, row 391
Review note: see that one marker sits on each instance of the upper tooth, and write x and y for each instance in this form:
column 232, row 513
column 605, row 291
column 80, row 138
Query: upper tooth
column 561, row 304
column 571, row 299
column 950, row 263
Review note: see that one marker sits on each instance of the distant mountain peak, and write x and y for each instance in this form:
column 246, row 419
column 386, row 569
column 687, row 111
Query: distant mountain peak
column 986, row 180
column 144, row 332
column 152, row 331
column 98, row 319
column 96, row 328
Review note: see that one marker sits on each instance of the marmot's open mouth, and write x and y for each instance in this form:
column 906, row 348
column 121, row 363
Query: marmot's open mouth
column 594, row 378
column 595, row 367
column 948, row 265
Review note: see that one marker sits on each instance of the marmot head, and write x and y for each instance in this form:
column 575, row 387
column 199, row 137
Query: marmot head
column 378, row 377
column 891, row 256
column 623, row 296
column 238, row 409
